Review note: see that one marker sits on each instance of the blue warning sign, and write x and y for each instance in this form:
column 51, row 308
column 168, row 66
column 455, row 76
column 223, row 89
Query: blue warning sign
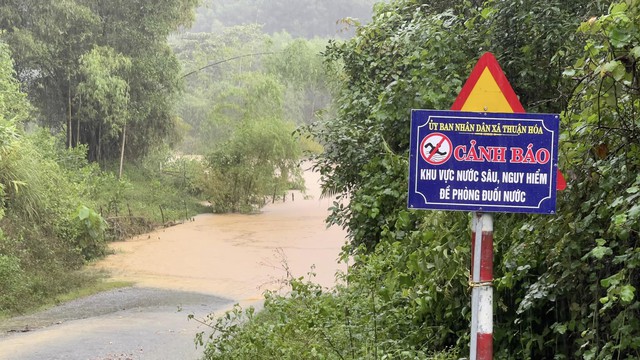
column 485, row 162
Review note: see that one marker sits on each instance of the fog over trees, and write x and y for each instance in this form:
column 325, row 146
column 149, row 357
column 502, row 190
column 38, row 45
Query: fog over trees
column 300, row 18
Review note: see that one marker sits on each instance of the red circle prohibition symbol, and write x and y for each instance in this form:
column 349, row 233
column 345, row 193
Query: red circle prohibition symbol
column 436, row 148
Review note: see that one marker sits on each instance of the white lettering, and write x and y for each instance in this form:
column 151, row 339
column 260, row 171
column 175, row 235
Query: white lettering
column 515, row 196
column 512, row 177
column 428, row 174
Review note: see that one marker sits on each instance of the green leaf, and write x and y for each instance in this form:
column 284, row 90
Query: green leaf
column 560, row 328
column 634, row 211
column 619, row 72
column 83, row 213
column 487, row 12
column 610, row 67
column 619, row 219
column 627, row 293
column 600, row 251
column 612, row 280
column 619, row 38
column 617, row 9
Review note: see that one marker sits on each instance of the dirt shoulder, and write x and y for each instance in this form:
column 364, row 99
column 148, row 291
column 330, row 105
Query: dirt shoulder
column 110, row 302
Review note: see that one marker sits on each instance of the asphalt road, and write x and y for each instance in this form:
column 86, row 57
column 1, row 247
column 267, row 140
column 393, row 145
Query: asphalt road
column 125, row 324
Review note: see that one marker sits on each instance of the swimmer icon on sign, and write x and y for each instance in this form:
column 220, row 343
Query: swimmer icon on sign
column 436, row 148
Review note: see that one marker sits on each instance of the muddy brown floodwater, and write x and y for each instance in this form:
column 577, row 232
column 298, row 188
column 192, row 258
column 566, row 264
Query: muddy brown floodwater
column 205, row 265
column 233, row 255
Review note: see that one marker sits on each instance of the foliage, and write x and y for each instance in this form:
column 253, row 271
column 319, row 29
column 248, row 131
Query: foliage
column 52, row 225
column 242, row 74
column 13, row 109
column 103, row 94
column 35, row 259
column 12, row 282
column 566, row 285
column 13, row 105
column 403, row 51
column 308, row 82
column 36, row 228
column 159, row 190
column 49, row 200
column 358, row 321
column 245, row 120
column 215, row 96
column 584, row 271
column 91, row 228
column 259, row 160
column 530, row 35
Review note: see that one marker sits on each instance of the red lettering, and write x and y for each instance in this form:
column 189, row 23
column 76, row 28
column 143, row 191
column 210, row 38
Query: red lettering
column 481, row 153
column 516, row 155
column 520, row 156
column 456, row 152
column 543, row 156
column 529, row 156
column 473, row 154
column 485, row 153
column 499, row 154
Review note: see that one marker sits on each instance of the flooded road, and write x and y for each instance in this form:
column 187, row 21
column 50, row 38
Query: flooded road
column 203, row 266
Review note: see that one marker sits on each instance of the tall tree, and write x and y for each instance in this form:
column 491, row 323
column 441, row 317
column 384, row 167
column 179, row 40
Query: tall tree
column 49, row 39
column 103, row 96
column 259, row 159
column 309, row 82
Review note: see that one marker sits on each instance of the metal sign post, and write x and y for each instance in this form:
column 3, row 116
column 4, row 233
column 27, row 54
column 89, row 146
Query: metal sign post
column 481, row 286
column 484, row 162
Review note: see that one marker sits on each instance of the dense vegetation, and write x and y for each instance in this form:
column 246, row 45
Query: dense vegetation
column 58, row 210
column 75, row 78
column 566, row 285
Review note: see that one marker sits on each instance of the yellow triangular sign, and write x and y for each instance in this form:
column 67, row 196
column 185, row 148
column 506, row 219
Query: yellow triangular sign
column 488, row 90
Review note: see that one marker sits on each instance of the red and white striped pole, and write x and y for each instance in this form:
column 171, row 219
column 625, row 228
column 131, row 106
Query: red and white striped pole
column 482, row 287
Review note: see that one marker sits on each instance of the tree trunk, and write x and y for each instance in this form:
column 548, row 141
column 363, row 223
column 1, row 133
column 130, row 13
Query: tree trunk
column 99, row 147
column 124, row 138
column 78, row 125
column 69, row 129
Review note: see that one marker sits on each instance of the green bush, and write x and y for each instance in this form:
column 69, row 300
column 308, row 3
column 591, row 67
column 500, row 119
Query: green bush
column 157, row 190
column 315, row 323
column 259, row 160
column 90, row 233
column 41, row 184
column 12, row 283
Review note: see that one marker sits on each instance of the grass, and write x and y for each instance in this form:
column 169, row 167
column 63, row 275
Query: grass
column 91, row 289
column 83, row 283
